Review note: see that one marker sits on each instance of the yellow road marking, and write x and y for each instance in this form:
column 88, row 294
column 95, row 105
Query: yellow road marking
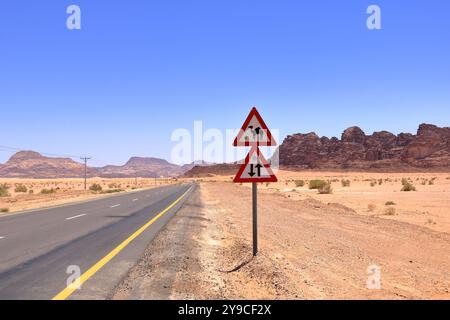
column 100, row 264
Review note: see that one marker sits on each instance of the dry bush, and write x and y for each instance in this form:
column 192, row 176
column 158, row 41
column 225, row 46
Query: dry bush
column 20, row 188
column 96, row 187
column 389, row 211
column 371, row 207
column 48, row 191
column 390, row 203
column 407, row 186
column 317, row 184
column 345, row 183
column 299, row 183
column 4, row 210
column 4, row 190
column 326, row 189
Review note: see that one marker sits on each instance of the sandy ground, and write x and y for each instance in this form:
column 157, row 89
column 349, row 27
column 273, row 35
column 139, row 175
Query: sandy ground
column 64, row 191
column 309, row 249
column 429, row 206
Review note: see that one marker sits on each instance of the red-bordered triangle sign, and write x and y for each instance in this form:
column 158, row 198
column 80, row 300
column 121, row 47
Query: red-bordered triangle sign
column 254, row 132
column 255, row 169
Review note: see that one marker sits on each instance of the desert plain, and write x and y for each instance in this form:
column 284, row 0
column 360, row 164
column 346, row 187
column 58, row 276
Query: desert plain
column 311, row 245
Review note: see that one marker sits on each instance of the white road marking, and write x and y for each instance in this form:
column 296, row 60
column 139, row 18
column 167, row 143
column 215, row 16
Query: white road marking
column 2, row 238
column 115, row 206
column 135, row 199
column 78, row 216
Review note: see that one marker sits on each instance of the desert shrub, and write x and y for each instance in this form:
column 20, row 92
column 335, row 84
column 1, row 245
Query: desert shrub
column 112, row 186
column 380, row 182
column 389, row 211
column 317, row 184
column 299, row 183
column 4, row 190
column 113, row 191
column 431, row 182
column 48, row 191
column 371, row 207
column 345, row 183
column 390, row 203
column 4, row 210
column 326, row 189
column 405, row 181
column 408, row 187
column 21, row 188
column 95, row 187
column 373, row 184
column 31, row 191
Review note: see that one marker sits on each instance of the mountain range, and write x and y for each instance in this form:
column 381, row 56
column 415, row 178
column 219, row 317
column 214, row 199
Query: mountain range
column 429, row 148
column 30, row 164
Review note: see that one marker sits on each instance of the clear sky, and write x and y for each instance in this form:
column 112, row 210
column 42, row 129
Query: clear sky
column 139, row 69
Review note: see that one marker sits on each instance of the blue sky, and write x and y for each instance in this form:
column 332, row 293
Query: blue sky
column 139, row 69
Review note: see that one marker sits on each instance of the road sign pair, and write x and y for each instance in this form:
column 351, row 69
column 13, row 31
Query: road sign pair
column 255, row 133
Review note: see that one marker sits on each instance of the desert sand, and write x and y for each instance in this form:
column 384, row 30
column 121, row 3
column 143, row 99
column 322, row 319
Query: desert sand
column 312, row 246
column 28, row 194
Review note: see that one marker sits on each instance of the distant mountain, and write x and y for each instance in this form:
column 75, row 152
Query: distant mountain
column 142, row 167
column 213, row 169
column 29, row 164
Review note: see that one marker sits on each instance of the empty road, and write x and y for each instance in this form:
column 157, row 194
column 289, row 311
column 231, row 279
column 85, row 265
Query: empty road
column 96, row 242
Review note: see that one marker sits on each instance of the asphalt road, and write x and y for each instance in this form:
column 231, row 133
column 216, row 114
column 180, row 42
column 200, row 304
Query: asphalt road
column 104, row 238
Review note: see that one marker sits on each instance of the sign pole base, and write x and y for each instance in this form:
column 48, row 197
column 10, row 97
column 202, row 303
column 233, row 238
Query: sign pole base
column 255, row 218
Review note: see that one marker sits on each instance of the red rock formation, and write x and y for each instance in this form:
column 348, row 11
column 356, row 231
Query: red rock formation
column 430, row 148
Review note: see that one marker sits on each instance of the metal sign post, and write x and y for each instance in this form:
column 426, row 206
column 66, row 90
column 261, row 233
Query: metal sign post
column 255, row 218
column 256, row 168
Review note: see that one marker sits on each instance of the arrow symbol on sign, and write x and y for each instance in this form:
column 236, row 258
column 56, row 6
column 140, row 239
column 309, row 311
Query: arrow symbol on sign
column 258, row 167
column 252, row 172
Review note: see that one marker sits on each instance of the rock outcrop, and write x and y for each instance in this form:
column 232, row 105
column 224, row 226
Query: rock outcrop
column 429, row 148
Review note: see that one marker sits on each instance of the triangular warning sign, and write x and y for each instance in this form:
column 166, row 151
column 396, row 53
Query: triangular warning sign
column 254, row 132
column 255, row 169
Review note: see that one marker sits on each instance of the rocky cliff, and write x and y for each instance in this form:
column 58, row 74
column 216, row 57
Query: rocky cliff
column 429, row 148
